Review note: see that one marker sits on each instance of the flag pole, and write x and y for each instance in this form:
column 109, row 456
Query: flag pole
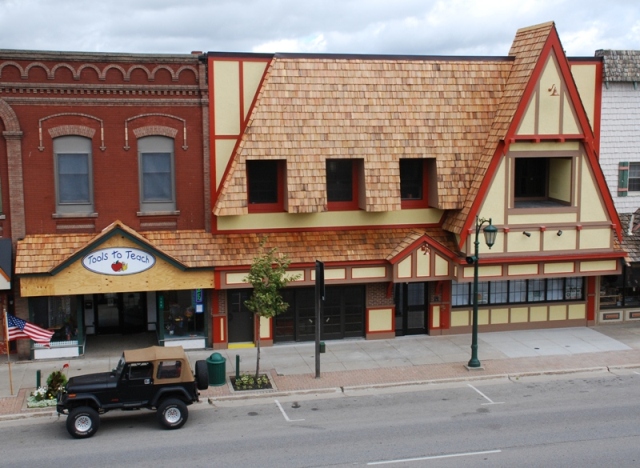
column 6, row 342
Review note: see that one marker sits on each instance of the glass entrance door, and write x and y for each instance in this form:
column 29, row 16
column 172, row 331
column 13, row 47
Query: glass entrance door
column 411, row 308
column 120, row 313
column 240, row 318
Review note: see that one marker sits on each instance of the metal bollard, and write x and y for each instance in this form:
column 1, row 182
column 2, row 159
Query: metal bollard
column 38, row 378
column 237, row 366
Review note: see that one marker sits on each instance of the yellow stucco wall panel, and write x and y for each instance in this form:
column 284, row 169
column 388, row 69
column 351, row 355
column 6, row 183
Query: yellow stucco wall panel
column 404, row 268
column 600, row 265
column 585, row 77
column 327, row 219
column 577, row 311
column 442, row 266
column 565, row 241
column 538, row 314
column 460, row 318
column 499, row 316
column 519, row 315
column 380, row 319
column 372, row 272
column 423, row 261
column 435, row 316
column 493, row 205
column 518, row 242
column 226, row 97
column 557, row 312
column 564, row 267
column 251, row 76
column 591, row 207
column 526, row 269
column 549, row 102
column 595, row 238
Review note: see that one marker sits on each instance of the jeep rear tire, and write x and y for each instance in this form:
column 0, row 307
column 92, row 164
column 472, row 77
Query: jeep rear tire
column 202, row 375
column 172, row 413
column 83, row 422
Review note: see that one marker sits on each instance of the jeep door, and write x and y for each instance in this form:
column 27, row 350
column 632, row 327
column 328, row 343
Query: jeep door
column 136, row 384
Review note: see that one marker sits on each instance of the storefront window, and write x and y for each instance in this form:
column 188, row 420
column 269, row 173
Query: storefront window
column 518, row 291
column 183, row 313
column 621, row 290
column 56, row 313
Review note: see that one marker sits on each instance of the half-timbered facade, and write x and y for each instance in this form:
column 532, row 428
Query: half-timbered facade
column 378, row 167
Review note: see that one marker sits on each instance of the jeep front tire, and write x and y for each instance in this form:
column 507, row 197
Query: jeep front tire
column 172, row 413
column 83, row 422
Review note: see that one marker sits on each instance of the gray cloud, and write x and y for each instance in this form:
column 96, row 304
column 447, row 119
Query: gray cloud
column 453, row 27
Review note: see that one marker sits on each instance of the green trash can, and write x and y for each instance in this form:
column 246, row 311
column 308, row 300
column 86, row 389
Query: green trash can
column 216, row 365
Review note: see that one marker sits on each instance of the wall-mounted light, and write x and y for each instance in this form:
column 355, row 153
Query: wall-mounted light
column 528, row 234
column 559, row 232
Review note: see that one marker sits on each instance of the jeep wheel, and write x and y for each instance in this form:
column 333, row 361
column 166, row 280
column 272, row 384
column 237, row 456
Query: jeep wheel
column 172, row 413
column 83, row 422
column 202, row 375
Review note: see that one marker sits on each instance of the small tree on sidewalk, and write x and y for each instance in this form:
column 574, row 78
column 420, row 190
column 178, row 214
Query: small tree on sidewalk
column 267, row 276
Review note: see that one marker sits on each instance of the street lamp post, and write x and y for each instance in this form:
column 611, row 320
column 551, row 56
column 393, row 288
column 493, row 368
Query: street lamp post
column 490, row 232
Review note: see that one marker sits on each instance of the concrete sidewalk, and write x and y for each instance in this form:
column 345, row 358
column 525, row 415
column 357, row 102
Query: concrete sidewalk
column 361, row 363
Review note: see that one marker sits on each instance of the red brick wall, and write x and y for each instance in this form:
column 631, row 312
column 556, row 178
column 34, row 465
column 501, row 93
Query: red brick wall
column 377, row 295
column 112, row 96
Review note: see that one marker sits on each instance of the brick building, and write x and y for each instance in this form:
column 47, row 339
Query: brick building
column 104, row 170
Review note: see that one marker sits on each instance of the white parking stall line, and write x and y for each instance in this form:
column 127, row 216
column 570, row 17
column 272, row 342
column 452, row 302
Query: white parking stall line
column 285, row 414
column 485, row 396
column 435, row 457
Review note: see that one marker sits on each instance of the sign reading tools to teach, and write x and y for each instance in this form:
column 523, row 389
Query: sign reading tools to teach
column 118, row 261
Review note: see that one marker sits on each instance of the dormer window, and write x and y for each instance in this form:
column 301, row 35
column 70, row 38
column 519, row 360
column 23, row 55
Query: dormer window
column 413, row 183
column 265, row 186
column 342, row 184
column 542, row 182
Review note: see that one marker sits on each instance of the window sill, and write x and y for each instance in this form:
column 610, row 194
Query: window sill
column 413, row 204
column 266, row 208
column 158, row 213
column 74, row 215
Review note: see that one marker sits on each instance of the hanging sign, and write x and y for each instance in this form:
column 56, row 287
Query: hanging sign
column 118, row 261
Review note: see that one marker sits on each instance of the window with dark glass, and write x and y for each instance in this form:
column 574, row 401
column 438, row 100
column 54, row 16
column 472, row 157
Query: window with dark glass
column 531, row 178
column 634, row 177
column 518, row 291
column 263, row 181
column 413, row 183
column 340, row 183
column 73, row 178
column 157, row 185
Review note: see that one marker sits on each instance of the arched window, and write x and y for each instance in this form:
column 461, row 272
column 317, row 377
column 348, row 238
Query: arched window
column 73, row 174
column 157, row 174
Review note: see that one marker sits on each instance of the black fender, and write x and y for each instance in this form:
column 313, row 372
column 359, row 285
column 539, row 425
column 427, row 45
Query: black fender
column 173, row 392
column 81, row 399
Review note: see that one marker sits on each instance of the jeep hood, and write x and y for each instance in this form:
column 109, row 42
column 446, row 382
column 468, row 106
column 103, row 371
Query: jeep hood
column 91, row 382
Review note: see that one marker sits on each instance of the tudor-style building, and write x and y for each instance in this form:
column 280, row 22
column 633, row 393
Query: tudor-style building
column 104, row 171
column 379, row 165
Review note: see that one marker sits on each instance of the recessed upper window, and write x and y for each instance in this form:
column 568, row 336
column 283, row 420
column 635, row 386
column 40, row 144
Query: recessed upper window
column 157, row 174
column 542, row 182
column 342, row 184
column 413, row 183
column 73, row 174
column 265, row 182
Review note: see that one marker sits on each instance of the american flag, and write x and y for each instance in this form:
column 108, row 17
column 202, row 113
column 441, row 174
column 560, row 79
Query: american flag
column 19, row 329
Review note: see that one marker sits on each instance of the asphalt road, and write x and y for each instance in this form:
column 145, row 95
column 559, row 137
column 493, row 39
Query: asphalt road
column 579, row 420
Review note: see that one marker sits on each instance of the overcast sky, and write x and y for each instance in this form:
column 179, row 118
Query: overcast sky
column 422, row 27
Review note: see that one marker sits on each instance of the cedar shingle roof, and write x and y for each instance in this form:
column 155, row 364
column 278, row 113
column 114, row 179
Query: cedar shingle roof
column 197, row 249
column 452, row 110
column 375, row 109
column 526, row 49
